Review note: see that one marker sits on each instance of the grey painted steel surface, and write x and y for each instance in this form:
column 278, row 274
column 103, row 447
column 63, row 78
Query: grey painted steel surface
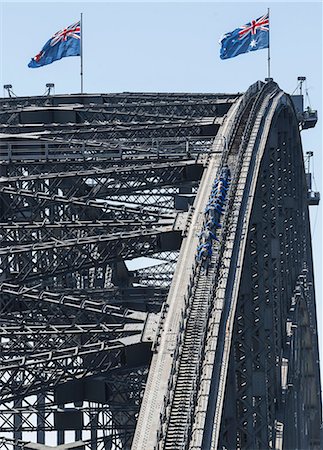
column 162, row 365
column 100, row 354
column 207, row 403
column 77, row 322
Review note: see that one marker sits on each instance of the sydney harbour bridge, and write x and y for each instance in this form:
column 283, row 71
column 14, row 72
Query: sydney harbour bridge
column 156, row 273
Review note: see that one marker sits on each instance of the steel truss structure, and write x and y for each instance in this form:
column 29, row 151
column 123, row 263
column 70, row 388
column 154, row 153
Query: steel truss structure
column 113, row 334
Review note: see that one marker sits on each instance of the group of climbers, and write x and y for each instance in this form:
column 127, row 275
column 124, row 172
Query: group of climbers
column 213, row 212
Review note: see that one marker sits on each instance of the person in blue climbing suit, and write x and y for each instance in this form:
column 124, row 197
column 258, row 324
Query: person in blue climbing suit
column 222, row 187
column 204, row 251
column 214, row 210
column 218, row 196
column 226, row 172
column 204, row 255
column 207, row 235
column 213, row 225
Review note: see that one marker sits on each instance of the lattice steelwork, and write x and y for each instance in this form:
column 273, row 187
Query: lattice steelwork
column 103, row 199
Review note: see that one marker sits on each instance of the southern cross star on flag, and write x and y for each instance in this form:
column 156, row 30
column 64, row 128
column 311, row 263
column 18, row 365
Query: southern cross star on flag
column 65, row 42
column 248, row 38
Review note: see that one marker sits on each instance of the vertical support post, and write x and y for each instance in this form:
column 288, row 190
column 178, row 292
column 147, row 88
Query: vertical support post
column 81, row 51
column 17, row 422
column 60, row 433
column 268, row 60
column 60, row 437
column 78, row 435
column 41, row 418
column 94, row 430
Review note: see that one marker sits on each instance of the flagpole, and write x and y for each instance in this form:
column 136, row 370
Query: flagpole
column 81, row 51
column 268, row 59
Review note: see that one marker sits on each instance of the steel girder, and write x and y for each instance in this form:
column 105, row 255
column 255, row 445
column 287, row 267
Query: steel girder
column 183, row 105
column 29, row 261
column 236, row 394
column 78, row 321
column 103, row 132
column 255, row 414
column 77, row 324
column 187, row 415
column 122, row 184
column 39, row 205
column 76, row 327
column 162, row 383
column 123, row 115
column 103, row 424
column 32, row 155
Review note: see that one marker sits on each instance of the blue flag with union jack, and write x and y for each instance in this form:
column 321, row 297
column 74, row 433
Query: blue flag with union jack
column 66, row 42
column 248, row 38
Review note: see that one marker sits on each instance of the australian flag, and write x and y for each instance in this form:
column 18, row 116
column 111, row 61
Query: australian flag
column 248, row 38
column 66, row 42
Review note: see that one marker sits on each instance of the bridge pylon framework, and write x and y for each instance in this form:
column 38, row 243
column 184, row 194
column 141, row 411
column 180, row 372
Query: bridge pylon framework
column 117, row 331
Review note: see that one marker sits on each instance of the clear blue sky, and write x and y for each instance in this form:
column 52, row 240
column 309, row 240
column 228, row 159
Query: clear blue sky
column 168, row 46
